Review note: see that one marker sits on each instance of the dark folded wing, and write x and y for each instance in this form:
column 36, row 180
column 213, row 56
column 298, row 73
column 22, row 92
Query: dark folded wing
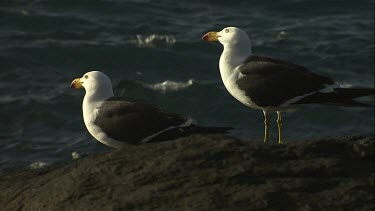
column 132, row 121
column 271, row 82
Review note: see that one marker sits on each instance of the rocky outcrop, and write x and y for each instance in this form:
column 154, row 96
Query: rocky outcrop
column 204, row 172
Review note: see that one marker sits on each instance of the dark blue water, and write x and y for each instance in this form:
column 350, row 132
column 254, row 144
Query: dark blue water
column 44, row 44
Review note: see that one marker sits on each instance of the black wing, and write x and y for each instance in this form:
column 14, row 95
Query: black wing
column 131, row 121
column 271, row 82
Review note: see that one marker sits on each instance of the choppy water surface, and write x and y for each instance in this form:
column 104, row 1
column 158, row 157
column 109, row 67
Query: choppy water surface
column 152, row 51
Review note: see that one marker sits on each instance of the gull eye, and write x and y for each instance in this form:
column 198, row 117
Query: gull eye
column 86, row 76
column 226, row 30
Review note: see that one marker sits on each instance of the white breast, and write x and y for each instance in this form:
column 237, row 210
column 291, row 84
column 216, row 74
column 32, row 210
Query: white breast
column 230, row 74
column 90, row 112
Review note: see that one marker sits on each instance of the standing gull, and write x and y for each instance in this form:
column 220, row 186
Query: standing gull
column 118, row 121
column 274, row 85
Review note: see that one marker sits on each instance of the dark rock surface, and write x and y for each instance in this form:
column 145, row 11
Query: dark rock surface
column 204, row 173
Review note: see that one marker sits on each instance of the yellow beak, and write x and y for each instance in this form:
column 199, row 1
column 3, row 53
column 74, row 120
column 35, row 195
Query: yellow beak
column 211, row 37
column 76, row 84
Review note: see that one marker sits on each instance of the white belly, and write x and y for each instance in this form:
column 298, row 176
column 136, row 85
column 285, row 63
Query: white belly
column 89, row 115
column 229, row 62
column 229, row 81
column 102, row 137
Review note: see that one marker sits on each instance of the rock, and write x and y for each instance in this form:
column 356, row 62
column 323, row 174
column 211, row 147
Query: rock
column 204, row 172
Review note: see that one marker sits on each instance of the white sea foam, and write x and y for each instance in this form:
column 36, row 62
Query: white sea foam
column 170, row 86
column 154, row 40
column 75, row 155
column 282, row 35
column 38, row 165
column 346, row 85
column 103, row 39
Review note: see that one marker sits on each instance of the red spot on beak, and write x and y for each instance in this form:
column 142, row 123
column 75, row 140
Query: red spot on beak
column 76, row 84
column 205, row 37
column 211, row 37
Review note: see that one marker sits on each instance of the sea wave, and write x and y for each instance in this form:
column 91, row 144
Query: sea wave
column 170, row 86
column 76, row 155
column 346, row 85
column 38, row 165
column 154, row 40
column 104, row 39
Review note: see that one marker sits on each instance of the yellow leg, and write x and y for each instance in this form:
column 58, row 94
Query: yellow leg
column 266, row 120
column 279, row 124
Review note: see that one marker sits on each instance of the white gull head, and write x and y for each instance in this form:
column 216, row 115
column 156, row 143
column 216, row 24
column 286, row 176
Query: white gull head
column 97, row 85
column 237, row 48
column 98, row 89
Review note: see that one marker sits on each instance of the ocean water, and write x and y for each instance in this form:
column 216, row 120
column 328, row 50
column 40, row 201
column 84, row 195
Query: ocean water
column 153, row 51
